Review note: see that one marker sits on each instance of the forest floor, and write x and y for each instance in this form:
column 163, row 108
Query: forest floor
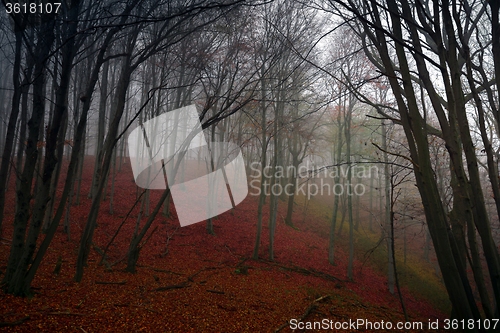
column 190, row 281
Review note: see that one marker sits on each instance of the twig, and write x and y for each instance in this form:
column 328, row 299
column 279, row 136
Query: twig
column 395, row 154
column 231, row 253
column 66, row 313
column 215, row 291
column 173, row 286
column 118, row 261
column 321, row 298
column 81, row 302
column 190, row 278
column 106, row 282
column 121, row 305
column 168, row 240
column 103, row 256
column 281, row 327
column 313, row 306
column 304, row 271
column 165, row 271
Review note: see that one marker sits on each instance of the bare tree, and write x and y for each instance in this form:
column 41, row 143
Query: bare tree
column 404, row 38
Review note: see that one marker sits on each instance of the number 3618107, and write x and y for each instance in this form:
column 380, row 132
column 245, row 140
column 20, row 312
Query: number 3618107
column 32, row 8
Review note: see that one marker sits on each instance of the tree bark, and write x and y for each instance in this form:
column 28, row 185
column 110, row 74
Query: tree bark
column 24, row 193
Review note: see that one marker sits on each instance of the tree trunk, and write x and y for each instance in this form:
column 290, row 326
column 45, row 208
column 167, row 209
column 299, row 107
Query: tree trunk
column 336, row 180
column 11, row 127
column 387, row 215
column 347, row 132
column 17, row 258
column 87, row 235
column 101, row 125
column 263, row 161
column 135, row 246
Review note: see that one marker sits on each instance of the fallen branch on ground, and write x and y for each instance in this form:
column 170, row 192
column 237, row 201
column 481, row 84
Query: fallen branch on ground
column 106, row 282
column 165, row 271
column 185, row 283
column 121, row 304
column 313, row 306
column 304, row 271
column 190, row 278
column 173, row 286
column 66, row 313
column 215, row 291
column 14, row 323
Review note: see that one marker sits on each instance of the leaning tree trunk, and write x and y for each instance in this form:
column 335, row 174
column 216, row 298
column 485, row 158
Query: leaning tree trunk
column 101, row 123
column 415, row 131
column 21, row 280
column 87, row 235
column 135, row 244
column 75, row 164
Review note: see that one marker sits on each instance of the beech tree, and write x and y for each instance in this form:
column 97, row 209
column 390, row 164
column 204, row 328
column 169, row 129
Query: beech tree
column 404, row 38
column 21, row 269
column 55, row 59
column 288, row 32
column 20, row 255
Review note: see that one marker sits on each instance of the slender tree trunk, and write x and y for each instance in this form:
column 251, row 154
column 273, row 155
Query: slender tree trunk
column 11, row 127
column 121, row 93
column 347, row 132
column 113, row 176
column 26, row 267
column 263, row 161
column 387, row 215
column 336, row 199
column 393, row 251
column 74, row 164
column 101, row 125
column 370, row 219
column 273, row 202
column 135, row 244
column 23, row 123
column 416, row 134
column 477, row 270
column 55, row 176
column 291, row 193
column 81, row 163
